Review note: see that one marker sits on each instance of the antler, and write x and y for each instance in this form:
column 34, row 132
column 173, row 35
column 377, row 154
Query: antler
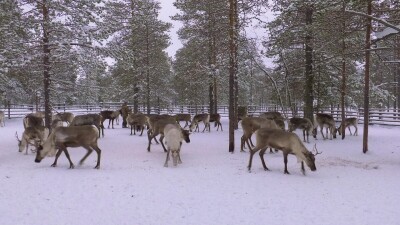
column 316, row 151
column 16, row 135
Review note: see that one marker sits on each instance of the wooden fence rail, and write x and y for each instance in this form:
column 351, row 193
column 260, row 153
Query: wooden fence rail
column 376, row 116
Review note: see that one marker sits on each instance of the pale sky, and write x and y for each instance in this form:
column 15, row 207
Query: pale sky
column 166, row 11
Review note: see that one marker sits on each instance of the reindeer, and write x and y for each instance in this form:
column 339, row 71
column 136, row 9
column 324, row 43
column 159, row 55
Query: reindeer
column 275, row 116
column 205, row 118
column 108, row 115
column 66, row 117
column 85, row 136
column 217, row 119
column 174, row 135
column 137, row 122
column 2, row 119
column 353, row 121
column 325, row 120
column 158, row 128
column 33, row 136
column 31, row 120
column 302, row 123
column 88, row 119
column 153, row 118
column 183, row 117
column 115, row 115
column 250, row 125
column 272, row 115
column 288, row 143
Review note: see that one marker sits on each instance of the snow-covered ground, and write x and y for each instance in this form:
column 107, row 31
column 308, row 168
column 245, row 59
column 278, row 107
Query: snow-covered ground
column 212, row 186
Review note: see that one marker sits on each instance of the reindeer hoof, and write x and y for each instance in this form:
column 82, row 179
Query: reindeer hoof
column 287, row 172
column 165, row 165
column 96, row 167
column 53, row 165
column 71, row 166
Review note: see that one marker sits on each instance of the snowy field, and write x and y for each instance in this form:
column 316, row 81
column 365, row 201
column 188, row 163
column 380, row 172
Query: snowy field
column 212, row 186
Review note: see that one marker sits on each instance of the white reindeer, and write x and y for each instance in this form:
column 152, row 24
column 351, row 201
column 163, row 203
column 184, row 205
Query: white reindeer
column 174, row 135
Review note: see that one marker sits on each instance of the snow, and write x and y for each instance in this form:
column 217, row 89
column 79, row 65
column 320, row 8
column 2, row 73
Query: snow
column 212, row 186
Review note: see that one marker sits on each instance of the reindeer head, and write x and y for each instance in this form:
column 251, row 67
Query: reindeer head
column 185, row 135
column 310, row 158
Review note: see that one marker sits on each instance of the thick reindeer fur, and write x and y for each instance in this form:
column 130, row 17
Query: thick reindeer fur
column 137, row 122
column 33, row 136
column 31, row 120
column 66, row 117
column 89, row 119
column 174, row 135
column 85, row 136
column 288, row 143
column 250, row 125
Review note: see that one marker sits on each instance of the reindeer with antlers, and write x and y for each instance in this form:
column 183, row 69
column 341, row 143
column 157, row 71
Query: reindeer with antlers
column 288, row 143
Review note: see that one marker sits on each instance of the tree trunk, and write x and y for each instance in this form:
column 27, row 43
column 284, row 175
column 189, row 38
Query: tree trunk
column 147, row 71
column 46, row 63
column 366, row 78
column 232, row 72
column 343, row 89
column 309, row 77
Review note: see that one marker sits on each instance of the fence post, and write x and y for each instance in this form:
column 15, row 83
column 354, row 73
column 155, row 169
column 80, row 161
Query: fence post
column 8, row 106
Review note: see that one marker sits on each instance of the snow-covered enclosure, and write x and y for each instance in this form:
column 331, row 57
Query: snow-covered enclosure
column 212, row 186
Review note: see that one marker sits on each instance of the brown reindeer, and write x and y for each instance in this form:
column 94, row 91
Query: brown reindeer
column 183, row 117
column 85, row 136
column 205, row 118
column 89, row 119
column 288, row 143
column 217, row 119
column 158, row 128
column 31, row 120
column 110, row 116
column 66, row 117
column 137, row 122
column 325, row 120
column 302, row 123
column 275, row 116
column 352, row 121
column 250, row 125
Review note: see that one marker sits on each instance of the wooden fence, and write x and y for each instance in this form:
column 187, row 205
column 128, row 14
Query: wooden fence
column 376, row 116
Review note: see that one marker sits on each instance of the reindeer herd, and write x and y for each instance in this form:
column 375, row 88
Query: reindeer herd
column 84, row 131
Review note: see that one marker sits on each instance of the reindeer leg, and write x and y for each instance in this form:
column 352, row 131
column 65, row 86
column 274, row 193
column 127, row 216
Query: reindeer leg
column 98, row 151
column 356, row 131
column 221, row 126
column 131, row 129
column 150, row 136
column 262, row 158
column 167, row 158
column 89, row 151
column 242, row 143
column 302, row 168
column 322, row 133
column 162, row 143
column 142, row 131
column 285, row 160
column 349, row 130
column 252, row 152
column 57, row 155
column 71, row 165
